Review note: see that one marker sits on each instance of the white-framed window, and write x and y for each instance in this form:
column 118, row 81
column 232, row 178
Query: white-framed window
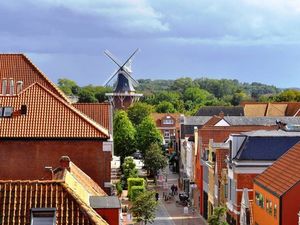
column 168, row 120
column 167, row 134
column 43, row 216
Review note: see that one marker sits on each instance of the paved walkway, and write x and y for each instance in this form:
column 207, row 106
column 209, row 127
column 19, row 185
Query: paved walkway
column 170, row 210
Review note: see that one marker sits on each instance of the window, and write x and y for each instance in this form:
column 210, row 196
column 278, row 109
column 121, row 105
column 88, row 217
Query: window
column 226, row 190
column 275, row 210
column 43, row 216
column 269, row 208
column 6, row 111
column 259, row 199
column 167, row 134
column 168, row 121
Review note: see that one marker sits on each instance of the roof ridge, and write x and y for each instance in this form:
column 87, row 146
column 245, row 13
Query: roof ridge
column 63, row 96
column 91, row 103
column 72, row 108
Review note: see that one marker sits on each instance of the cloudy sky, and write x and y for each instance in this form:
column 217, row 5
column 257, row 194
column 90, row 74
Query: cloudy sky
column 249, row 40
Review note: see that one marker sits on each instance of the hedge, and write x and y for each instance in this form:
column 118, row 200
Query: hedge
column 134, row 182
column 135, row 191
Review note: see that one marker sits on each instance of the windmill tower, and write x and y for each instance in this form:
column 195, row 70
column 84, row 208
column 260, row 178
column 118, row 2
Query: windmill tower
column 124, row 94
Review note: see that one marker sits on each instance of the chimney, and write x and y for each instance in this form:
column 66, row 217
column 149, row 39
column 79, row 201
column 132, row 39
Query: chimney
column 11, row 86
column 19, row 86
column 4, row 86
column 65, row 162
column 221, row 114
column 23, row 109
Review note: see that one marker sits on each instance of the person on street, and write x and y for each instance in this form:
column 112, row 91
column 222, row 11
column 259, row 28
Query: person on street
column 156, row 196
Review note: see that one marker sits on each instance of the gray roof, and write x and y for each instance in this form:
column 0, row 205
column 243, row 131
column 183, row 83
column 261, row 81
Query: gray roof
column 271, row 133
column 267, row 121
column 105, row 202
column 196, row 120
column 216, row 110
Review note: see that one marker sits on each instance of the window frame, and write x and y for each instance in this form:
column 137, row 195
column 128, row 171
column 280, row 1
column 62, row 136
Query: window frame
column 42, row 210
column 168, row 121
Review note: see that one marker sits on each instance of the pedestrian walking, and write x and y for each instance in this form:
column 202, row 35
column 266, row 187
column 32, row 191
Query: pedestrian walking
column 176, row 189
column 156, row 196
column 173, row 189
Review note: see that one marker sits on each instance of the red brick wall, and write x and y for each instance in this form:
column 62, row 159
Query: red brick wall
column 27, row 159
column 111, row 216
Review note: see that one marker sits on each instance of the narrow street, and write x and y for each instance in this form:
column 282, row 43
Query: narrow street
column 170, row 213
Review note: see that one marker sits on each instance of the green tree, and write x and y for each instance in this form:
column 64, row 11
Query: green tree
column 87, row 95
column 129, row 168
column 154, row 159
column 288, row 96
column 218, row 217
column 165, row 107
column 138, row 112
column 69, row 87
column 144, row 207
column 238, row 97
column 147, row 133
column 124, row 135
column 181, row 84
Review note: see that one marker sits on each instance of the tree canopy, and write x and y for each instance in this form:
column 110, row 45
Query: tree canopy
column 138, row 112
column 147, row 134
column 124, row 135
column 154, row 159
column 144, row 207
column 184, row 95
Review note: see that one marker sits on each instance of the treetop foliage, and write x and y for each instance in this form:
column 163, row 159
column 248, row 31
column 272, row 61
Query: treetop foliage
column 186, row 95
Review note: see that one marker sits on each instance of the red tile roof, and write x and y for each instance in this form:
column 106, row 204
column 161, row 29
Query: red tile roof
column 99, row 112
column 68, row 192
column 20, row 68
column 283, row 174
column 48, row 116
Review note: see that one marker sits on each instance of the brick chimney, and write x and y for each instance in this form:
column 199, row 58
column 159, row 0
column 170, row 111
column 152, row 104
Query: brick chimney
column 221, row 114
column 65, row 162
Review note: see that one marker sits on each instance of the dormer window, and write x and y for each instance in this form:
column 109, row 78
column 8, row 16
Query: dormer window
column 43, row 216
column 168, row 120
column 6, row 111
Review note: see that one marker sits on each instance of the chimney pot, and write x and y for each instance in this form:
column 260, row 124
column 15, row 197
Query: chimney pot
column 19, row 86
column 4, row 86
column 65, row 162
column 11, row 86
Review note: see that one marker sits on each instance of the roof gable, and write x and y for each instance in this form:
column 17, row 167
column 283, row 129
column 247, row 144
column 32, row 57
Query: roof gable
column 48, row 116
column 20, row 68
column 283, row 174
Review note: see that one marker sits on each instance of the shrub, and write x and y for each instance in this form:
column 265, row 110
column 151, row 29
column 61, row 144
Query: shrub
column 134, row 182
column 135, row 192
column 119, row 188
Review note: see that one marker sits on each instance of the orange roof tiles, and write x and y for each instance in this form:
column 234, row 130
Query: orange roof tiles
column 283, row 174
column 20, row 68
column 48, row 116
column 68, row 192
column 99, row 112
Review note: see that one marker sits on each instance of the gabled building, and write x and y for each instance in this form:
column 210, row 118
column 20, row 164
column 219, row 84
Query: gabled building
column 38, row 125
column 217, row 129
column 276, row 191
column 169, row 126
column 66, row 196
column 251, row 153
